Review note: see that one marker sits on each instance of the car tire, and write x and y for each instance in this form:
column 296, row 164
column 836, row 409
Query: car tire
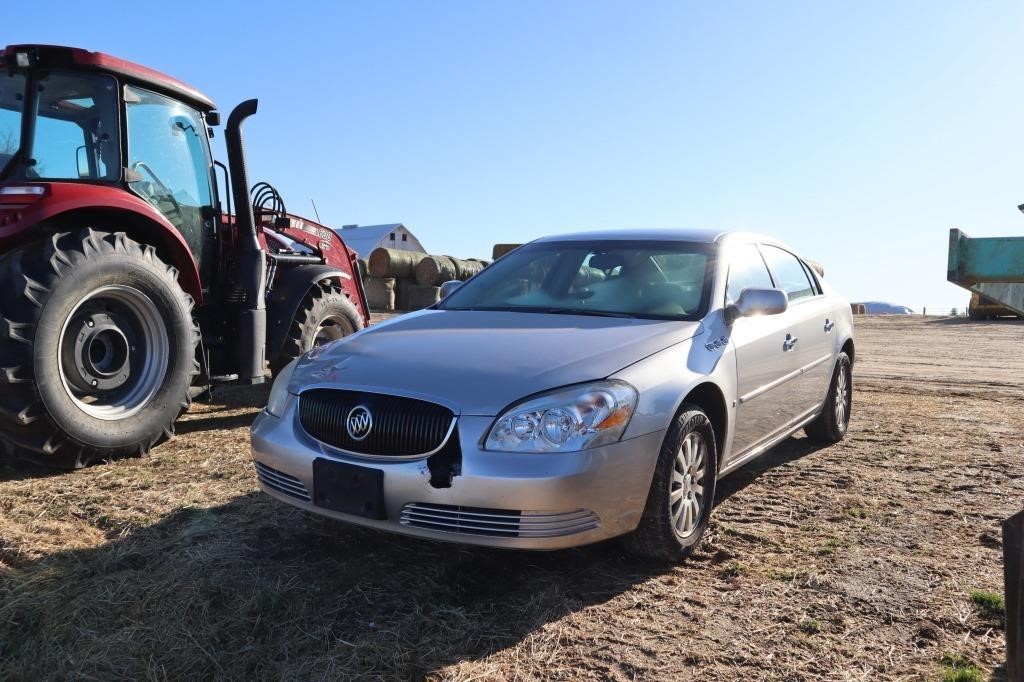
column 682, row 491
column 834, row 420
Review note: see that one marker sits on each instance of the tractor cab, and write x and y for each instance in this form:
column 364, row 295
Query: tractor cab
column 69, row 116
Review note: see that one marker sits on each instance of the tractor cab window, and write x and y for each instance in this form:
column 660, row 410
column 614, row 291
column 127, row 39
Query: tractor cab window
column 76, row 132
column 169, row 161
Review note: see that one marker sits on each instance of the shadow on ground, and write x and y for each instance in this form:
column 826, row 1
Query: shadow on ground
column 957, row 321
column 255, row 589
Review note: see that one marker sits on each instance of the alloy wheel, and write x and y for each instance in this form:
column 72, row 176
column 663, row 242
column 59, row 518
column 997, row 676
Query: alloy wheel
column 686, row 491
column 842, row 398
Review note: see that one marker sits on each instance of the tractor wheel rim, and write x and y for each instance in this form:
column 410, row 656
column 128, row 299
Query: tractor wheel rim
column 114, row 352
column 330, row 329
column 686, row 489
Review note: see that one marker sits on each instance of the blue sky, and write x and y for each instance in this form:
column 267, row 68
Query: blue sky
column 857, row 132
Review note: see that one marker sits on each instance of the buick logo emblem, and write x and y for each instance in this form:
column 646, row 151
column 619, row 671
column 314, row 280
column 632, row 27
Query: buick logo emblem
column 359, row 422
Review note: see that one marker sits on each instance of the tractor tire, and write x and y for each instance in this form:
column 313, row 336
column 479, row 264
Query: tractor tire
column 325, row 315
column 97, row 349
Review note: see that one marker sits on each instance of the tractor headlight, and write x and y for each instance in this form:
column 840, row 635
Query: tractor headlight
column 566, row 420
column 279, row 392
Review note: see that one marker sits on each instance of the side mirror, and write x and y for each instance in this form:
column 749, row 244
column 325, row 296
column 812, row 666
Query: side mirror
column 82, row 160
column 213, row 118
column 449, row 287
column 758, row 302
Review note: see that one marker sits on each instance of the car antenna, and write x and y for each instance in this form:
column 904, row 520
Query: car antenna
column 315, row 211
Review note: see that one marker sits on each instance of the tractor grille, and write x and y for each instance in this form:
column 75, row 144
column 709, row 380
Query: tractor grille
column 282, row 482
column 497, row 522
column 401, row 427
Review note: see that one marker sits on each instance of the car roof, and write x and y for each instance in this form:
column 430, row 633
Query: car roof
column 681, row 235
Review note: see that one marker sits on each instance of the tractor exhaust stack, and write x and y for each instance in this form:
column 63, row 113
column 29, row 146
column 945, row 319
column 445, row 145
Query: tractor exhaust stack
column 252, row 323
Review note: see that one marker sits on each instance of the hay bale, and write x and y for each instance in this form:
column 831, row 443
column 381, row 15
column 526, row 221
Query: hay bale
column 500, row 250
column 419, row 296
column 363, row 266
column 467, row 268
column 412, row 296
column 380, row 293
column 394, row 263
column 434, row 271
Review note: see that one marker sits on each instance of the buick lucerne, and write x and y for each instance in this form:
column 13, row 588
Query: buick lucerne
column 579, row 388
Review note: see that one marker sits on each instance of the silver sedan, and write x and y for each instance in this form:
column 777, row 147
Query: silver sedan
column 581, row 387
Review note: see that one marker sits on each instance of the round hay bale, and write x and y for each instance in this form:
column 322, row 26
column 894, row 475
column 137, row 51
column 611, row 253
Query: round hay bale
column 501, row 249
column 363, row 266
column 465, row 269
column 433, row 271
column 394, row 263
column 380, row 293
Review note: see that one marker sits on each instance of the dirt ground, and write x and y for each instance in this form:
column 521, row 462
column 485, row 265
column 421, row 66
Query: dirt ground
column 851, row 562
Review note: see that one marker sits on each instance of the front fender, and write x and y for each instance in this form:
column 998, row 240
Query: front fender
column 71, row 205
column 283, row 301
column 664, row 379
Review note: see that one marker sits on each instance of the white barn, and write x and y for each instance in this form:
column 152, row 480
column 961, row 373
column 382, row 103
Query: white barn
column 363, row 239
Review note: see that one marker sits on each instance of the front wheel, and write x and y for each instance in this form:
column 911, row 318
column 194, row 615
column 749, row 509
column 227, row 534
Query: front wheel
column 325, row 315
column 682, row 492
column 834, row 420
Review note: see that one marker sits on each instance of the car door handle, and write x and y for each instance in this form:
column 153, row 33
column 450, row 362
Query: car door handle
column 789, row 342
column 829, row 325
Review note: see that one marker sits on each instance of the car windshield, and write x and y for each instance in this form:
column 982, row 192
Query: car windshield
column 75, row 127
column 614, row 278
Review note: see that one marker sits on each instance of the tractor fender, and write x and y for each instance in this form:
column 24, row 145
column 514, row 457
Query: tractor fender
column 290, row 289
column 107, row 207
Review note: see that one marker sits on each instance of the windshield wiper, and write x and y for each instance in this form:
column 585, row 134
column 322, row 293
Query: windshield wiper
column 546, row 310
column 591, row 313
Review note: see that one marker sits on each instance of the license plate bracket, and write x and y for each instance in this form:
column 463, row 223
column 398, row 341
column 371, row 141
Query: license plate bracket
column 349, row 488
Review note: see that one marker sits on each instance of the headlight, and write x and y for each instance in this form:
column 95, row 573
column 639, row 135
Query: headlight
column 567, row 420
column 279, row 392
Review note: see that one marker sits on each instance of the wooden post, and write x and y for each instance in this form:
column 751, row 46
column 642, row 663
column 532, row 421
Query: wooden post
column 1013, row 574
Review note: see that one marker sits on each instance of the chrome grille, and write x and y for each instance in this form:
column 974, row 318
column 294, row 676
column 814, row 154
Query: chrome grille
column 282, row 482
column 402, row 427
column 497, row 522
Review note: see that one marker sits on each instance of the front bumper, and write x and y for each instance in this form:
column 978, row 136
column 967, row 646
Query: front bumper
column 526, row 501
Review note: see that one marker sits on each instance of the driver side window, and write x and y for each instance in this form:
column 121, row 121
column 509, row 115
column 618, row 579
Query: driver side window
column 747, row 270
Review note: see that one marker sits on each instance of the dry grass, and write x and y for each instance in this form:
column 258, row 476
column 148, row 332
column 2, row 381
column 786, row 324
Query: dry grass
column 850, row 562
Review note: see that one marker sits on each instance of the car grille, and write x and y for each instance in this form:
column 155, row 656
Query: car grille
column 497, row 522
column 402, row 427
column 282, row 482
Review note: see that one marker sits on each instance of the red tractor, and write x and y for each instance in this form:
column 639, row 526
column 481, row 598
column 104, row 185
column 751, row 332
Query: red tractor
column 127, row 283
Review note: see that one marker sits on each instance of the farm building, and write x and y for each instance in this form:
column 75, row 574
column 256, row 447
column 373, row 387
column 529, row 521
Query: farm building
column 363, row 239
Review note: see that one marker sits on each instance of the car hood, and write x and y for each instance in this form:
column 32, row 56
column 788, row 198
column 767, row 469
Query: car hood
column 479, row 362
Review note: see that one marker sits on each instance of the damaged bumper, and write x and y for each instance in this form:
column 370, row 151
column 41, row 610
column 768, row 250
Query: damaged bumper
column 514, row 500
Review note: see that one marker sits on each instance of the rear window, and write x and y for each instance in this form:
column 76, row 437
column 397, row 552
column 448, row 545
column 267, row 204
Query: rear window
column 789, row 273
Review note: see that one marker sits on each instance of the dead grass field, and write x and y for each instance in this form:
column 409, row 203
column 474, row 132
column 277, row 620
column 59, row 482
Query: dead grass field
column 849, row 562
